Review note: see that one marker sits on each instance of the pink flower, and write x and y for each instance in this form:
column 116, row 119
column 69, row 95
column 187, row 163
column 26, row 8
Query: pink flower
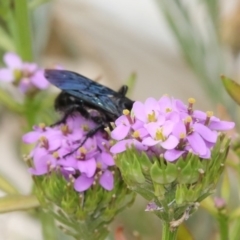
column 168, row 127
column 90, row 164
column 27, row 76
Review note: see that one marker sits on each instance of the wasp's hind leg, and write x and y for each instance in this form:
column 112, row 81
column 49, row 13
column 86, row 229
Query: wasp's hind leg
column 91, row 133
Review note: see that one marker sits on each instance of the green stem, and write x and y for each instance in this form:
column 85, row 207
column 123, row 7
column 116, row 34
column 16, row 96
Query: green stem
column 48, row 226
column 23, row 27
column 223, row 226
column 168, row 233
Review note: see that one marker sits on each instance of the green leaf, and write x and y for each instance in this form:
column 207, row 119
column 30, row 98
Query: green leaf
column 17, row 202
column 6, row 42
column 23, row 27
column 131, row 83
column 135, row 173
column 233, row 88
column 6, row 186
column 7, row 100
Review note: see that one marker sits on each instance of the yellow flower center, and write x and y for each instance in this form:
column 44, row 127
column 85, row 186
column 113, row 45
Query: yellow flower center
column 42, row 125
column 55, row 155
column 159, row 135
column 188, row 119
column 126, row 112
column 152, row 117
column 136, row 134
column 82, row 150
column 17, row 75
column 65, row 129
column 191, row 100
column 43, row 142
column 85, row 127
column 182, row 135
column 99, row 165
column 209, row 115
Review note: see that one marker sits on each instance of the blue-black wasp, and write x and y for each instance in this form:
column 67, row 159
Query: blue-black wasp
column 81, row 94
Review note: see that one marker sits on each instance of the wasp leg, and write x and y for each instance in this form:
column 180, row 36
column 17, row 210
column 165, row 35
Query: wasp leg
column 123, row 90
column 88, row 135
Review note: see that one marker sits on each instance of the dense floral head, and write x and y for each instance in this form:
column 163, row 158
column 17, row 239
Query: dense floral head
column 169, row 128
column 27, row 76
column 89, row 165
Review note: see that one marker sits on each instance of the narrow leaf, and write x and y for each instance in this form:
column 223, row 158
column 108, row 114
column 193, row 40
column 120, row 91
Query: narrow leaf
column 131, row 83
column 7, row 187
column 233, row 88
column 12, row 203
column 6, row 42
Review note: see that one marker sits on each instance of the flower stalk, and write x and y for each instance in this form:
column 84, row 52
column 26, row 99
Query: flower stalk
column 167, row 232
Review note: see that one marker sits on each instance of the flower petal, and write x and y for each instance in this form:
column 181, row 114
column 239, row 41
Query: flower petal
column 149, row 141
column 88, row 167
column 152, row 128
column 39, row 81
column 173, row 154
column 12, row 60
column 170, row 143
column 200, row 115
column 139, row 111
column 205, row 132
column 165, row 104
column 168, row 127
column 120, row 132
column 121, row 146
column 106, row 180
column 31, row 137
column 197, row 143
column 6, row 75
column 221, row 125
column 82, row 183
column 207, row 155
column 180, row 105
column 107, row 159
column 151, row 104
column 179, row 129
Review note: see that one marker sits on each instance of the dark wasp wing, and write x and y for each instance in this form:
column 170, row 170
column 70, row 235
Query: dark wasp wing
column 85, row 89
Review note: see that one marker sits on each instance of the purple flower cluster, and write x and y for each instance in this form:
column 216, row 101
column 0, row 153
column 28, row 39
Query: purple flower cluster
column 167, row 126
column 88, row 165
column 27, row 76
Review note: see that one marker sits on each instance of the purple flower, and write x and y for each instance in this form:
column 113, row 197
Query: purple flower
column 168, row 127
column 27, row 76
column 90, row 164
